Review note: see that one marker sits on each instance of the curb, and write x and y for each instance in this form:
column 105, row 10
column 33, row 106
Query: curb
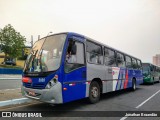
column 14, row 101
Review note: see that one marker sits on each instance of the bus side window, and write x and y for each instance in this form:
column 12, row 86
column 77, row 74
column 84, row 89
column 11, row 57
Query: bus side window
column 71, row 56
column 151, row 68
column 134, row 63
column 94, row 53
column 128, row 61
column 139, row 64
column 74, row 56
column 110, row 57
column 120, row 60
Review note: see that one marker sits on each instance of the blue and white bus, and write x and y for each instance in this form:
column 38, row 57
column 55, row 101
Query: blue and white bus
column 68, row 66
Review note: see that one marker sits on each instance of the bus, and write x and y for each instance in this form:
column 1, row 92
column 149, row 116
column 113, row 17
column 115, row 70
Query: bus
column 68, row 66
column 151, row 73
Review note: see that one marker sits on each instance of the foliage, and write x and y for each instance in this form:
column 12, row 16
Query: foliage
column 12, row 42
column 23, row 57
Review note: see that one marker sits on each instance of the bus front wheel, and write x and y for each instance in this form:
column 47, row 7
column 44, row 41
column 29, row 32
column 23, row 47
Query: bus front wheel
column 94, row 92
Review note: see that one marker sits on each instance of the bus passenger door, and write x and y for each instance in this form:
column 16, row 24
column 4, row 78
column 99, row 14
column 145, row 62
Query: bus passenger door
column 74, row 86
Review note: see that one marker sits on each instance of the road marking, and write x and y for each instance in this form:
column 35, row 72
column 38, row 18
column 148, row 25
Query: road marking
column 28, row 104
column 123, row 118
column 14, row 101
column 147, row 99
column 9, row 89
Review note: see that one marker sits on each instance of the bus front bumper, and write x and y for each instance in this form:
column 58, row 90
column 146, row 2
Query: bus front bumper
column 52, row 95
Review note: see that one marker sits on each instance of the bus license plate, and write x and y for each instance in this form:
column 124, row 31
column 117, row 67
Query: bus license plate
column 31, row 93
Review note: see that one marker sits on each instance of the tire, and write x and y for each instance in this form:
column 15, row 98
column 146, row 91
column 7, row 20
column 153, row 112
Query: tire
column 94, row 92
column 133, row 85
column 159, row 80
column 152, row 82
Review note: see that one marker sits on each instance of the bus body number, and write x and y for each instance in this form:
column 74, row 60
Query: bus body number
column 41, row 80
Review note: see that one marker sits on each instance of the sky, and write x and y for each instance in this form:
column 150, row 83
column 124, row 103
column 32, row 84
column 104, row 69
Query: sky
column 131, row 26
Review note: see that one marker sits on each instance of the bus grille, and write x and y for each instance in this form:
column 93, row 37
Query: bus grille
column 34, row 86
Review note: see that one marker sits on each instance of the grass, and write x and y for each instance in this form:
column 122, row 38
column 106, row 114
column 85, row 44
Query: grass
column 9, row 66
column 20, row 63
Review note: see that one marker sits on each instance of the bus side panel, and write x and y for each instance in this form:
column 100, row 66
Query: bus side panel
column 139, row 77
column 75, row 85
column 95, row 71
column 116, row 82
column 130, row 77
column 108, row 85
column 156, row 78
column 121, row 79
column 74, row 82
column 137, row 74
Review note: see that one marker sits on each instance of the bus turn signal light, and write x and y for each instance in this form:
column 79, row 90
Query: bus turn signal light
column 26, row 80
column 64, row 88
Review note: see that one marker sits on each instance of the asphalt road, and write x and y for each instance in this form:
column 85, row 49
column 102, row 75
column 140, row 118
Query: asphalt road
column 10, row 84
column 124, row 100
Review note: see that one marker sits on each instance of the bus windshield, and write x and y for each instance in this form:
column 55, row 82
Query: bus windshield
column 46, row 54
column 146, row 69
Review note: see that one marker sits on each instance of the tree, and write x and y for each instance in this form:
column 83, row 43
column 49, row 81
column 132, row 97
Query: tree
column 12, row 42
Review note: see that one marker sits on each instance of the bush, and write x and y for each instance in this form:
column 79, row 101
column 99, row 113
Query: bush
column 23, row 57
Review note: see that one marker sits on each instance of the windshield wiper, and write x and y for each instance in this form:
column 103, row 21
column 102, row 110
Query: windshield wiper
column 29, row 60
column 40, row 61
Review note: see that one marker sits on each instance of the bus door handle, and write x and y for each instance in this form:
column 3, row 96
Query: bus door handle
column 84, row 74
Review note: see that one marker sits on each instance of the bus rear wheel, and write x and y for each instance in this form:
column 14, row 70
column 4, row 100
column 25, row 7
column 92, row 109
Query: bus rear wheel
column 152, row 81
column 133, row 85
column 94, row 92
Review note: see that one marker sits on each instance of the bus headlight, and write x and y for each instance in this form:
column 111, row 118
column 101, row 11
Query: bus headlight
column 52, row 82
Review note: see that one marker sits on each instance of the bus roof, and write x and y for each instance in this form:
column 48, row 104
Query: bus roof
column 101, row 44
column 150, row 64
column 90, row 39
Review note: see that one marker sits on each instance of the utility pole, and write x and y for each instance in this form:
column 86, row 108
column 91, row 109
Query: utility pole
column 31, row 40
column 38, row 37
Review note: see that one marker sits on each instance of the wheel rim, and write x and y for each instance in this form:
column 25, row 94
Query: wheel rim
column 94, row 92
column 134, row 87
